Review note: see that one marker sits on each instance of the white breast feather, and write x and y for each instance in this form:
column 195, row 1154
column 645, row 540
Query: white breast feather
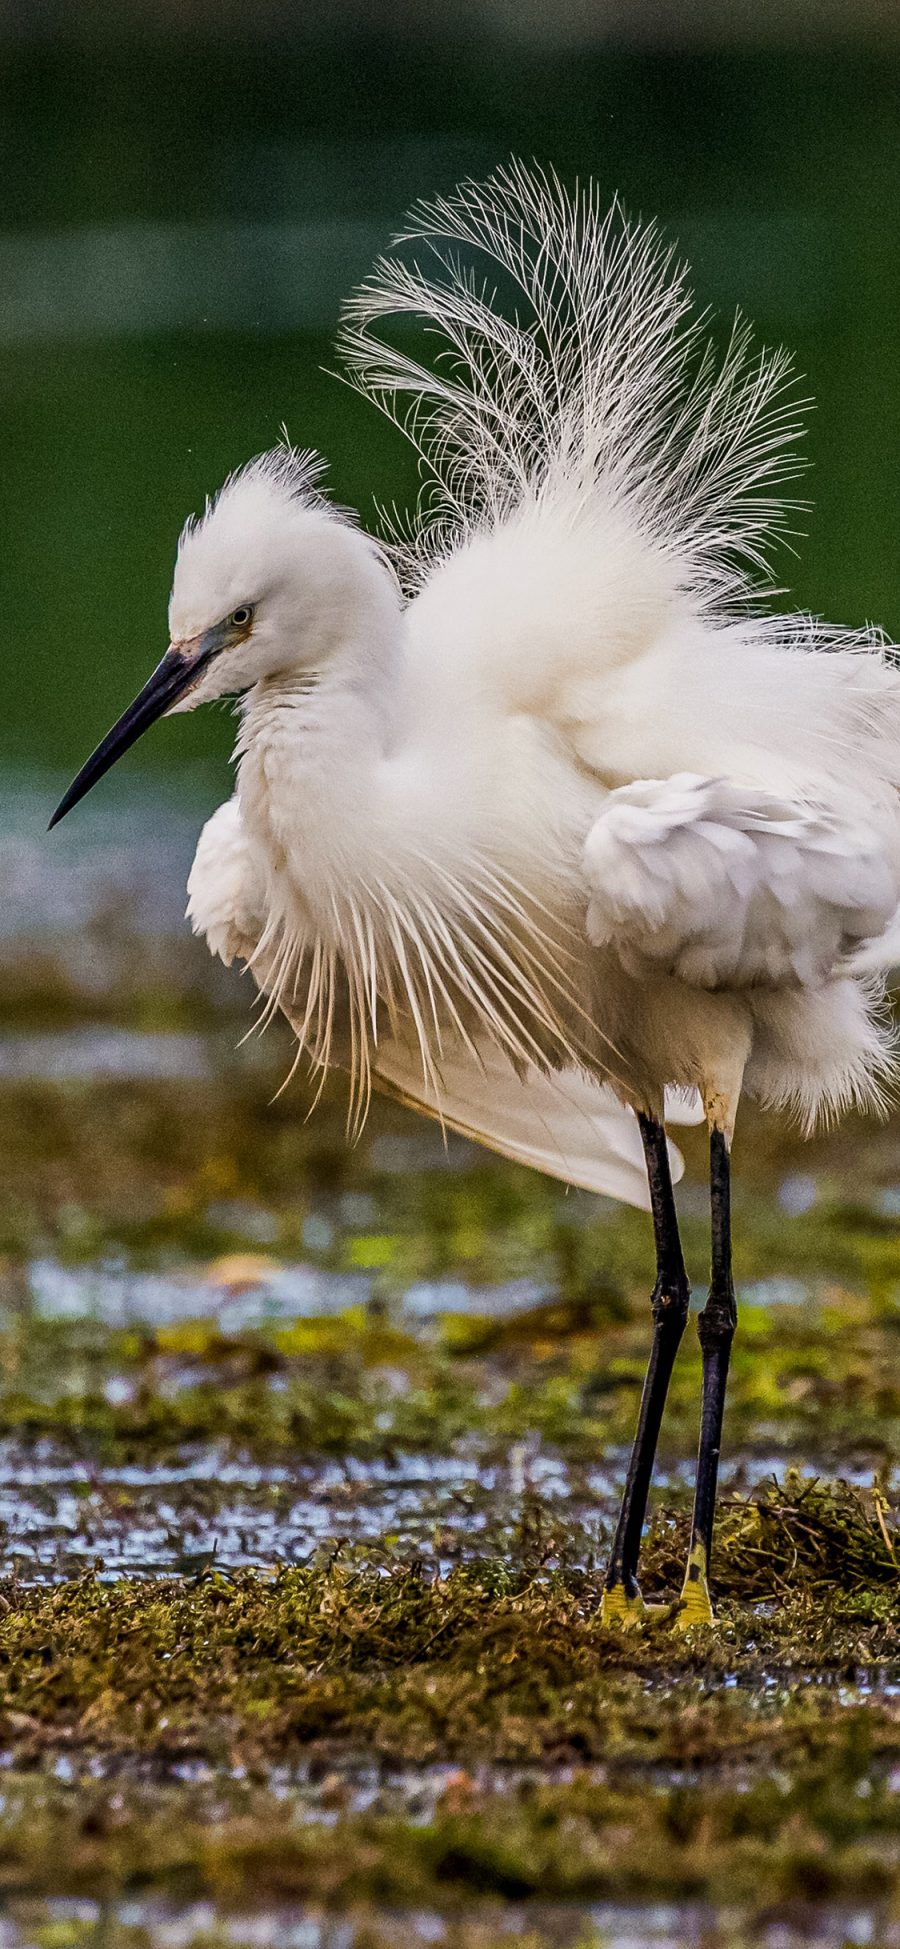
column 566, row 1126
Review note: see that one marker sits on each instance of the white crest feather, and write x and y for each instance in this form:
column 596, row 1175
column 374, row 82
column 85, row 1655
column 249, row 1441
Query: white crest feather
column 295, row 472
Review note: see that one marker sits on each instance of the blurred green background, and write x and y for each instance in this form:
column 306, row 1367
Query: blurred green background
column 189, row 192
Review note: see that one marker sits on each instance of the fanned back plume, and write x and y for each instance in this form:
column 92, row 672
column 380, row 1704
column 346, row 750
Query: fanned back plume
column 572, row 363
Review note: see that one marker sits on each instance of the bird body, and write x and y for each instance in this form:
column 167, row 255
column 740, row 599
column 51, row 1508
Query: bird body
column 539, row 813
column 671, row 834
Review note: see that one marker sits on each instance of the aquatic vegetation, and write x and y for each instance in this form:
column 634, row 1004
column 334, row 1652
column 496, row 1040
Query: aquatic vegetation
column 498, row 1657
column 816, row 1377
column 571, row 1761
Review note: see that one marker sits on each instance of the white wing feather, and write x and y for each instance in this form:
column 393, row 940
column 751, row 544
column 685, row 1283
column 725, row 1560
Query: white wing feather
column 729, row 885
column 563, row 1125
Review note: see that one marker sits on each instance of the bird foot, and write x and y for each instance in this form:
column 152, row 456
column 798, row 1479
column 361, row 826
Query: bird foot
column 694, row 1606
column 620, row 1611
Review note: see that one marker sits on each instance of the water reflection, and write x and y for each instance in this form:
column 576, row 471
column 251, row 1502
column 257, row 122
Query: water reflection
column 210, row 1507
column 145, row 1922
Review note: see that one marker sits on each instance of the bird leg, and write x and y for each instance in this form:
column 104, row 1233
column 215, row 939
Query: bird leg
column 716, row 1327
column 622, row 1601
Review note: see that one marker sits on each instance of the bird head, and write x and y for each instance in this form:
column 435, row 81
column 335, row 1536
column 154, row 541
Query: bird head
column 268, row 583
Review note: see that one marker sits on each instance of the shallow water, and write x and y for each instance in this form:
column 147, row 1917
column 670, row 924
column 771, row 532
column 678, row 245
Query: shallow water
column 119, row 1295
column 207, row 1507
column 140, row 1921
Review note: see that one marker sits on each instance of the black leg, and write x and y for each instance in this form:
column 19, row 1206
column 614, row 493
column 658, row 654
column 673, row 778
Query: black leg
column 669, row 1301
column 716, row 1327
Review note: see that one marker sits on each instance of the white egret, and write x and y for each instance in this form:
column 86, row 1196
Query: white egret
column 538, row 814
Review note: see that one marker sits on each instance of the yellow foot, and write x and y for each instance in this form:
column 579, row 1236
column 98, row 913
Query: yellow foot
column 624, row 1613
column 694, row 1607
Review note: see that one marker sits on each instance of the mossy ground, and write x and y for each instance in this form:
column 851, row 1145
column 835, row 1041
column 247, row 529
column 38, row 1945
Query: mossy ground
column 519, row 1751
column 429, row 1718
column 570, row 1761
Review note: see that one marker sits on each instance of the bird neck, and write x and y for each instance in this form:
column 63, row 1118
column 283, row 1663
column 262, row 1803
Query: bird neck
column 311, row 749
column 334, row 644
column 335, row 692
column 317, row 712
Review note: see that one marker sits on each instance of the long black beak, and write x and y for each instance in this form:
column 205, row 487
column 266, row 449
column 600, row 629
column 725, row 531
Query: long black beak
column 182, row 664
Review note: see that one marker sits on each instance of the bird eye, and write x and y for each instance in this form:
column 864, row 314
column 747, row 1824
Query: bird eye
column 240, row 617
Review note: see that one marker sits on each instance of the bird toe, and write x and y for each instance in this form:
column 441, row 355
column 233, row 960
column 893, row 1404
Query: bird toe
column 694, row 1605
column 624, row 1611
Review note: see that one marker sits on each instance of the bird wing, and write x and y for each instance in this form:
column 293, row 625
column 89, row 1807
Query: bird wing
column 724, row 884
column 226, row 896
column 564, row 1124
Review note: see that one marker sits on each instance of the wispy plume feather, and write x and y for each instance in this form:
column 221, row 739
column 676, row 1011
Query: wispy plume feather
column 571, row 361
